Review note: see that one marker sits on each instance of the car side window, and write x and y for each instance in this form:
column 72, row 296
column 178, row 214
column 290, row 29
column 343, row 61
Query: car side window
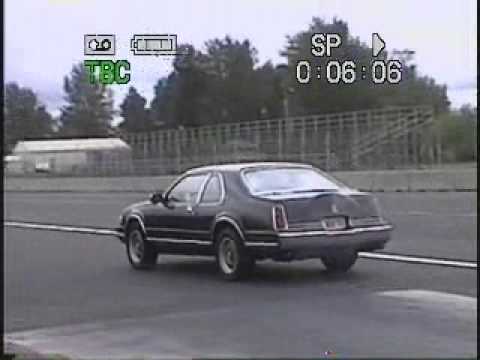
column 186, row 191
column 213, row 191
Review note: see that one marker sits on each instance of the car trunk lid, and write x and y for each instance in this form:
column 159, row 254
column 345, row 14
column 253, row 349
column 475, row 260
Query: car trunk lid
column 307, row 210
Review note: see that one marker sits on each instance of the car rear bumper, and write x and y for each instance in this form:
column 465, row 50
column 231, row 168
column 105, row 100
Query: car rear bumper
column 358, row 238
column 291, row 245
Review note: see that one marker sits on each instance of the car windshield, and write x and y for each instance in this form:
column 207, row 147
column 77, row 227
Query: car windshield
column 288, row 180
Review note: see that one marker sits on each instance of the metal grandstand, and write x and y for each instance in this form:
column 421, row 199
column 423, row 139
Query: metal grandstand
column 393, row 137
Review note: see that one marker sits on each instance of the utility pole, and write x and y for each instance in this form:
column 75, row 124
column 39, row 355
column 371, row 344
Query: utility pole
column 475, row 140
column 290, row 54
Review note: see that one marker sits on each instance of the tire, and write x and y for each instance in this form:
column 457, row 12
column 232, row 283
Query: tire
column 233, row 260
column 340, row 262
column 141, row 253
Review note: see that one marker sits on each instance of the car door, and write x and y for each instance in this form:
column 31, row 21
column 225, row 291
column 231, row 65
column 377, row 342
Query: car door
column 174, row 223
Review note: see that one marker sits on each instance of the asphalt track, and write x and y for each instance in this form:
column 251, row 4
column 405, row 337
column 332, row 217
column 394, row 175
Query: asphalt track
column 427, row 224
column 75, row 294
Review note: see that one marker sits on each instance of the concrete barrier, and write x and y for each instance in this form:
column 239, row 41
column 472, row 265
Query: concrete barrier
column 89, row 184
column 455, row 179
column 412, row 180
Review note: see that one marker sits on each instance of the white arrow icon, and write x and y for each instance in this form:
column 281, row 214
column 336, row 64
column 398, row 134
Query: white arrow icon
column 377, row 44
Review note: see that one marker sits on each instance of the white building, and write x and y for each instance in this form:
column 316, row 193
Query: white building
column 13, row 164
column 69, row 155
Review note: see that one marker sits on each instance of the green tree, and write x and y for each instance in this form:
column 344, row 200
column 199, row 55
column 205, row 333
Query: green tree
column 134, row 113
column 268, row 90
column 162, row 106
column 219, row 85
column 458, row 133
column 225, row 83
column 414, row 90
column 232, row 82
column 178, row 98
column 89, row 109
column 189, row 87
column 319, row 96
column 24, row 116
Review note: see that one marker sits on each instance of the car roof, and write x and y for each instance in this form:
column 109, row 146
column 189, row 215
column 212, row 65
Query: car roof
column 235, row 167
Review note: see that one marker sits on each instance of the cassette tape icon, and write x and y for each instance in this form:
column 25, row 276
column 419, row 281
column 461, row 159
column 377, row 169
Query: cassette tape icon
column 154, row 44
column 99, row 44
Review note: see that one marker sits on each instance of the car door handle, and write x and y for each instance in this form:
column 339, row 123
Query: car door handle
column 189, row 209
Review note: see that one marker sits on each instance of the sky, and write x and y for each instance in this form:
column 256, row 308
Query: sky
column 44, row 38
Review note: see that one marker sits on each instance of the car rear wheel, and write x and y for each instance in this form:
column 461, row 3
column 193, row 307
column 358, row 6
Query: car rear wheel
column 140, row 252
column 233, row 260
column 341, row 261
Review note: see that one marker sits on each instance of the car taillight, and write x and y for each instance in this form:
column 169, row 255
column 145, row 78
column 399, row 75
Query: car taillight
column 279, row 218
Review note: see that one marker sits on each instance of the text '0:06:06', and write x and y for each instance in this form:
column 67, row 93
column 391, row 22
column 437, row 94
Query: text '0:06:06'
column 347, row 72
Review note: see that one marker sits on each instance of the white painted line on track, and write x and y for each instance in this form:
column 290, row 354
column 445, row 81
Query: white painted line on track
column 419, row 260
column 73, row 229
column 366, row 255
column 430, row 213
column 458, row 305
column 432, row 297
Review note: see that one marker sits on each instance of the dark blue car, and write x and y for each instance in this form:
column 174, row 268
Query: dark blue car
column 241, row 213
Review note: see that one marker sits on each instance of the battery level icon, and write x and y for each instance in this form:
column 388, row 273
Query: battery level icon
column 154, row 44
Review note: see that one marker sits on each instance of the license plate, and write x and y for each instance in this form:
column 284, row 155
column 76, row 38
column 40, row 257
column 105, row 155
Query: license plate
column 334, row 223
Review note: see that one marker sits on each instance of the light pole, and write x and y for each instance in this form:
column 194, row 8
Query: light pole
column 284, row 132
column 289, row 53
column 283, row 71
column 475, row 140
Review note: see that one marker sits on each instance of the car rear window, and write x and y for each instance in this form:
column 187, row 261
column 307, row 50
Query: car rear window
column 287, row 180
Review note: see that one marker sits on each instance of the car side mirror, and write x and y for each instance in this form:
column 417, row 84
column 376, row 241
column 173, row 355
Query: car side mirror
column 157, row 197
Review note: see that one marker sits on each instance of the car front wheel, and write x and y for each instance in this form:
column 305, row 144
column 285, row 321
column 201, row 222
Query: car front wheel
column 140, row 252
column 233, row 260
column 341, row 261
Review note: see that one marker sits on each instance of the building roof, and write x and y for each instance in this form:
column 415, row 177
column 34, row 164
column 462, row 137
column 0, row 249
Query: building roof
column 30, row 146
